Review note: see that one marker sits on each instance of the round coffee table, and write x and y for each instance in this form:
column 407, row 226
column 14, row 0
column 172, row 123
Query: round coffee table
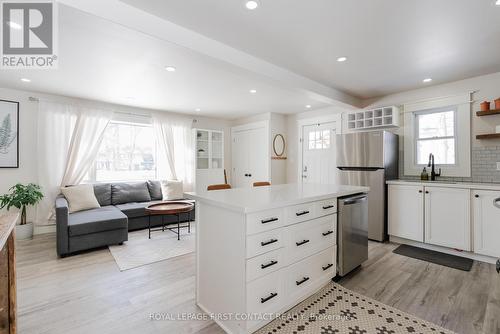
column 169, row 208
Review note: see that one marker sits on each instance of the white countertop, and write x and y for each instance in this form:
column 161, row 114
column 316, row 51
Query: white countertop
column 446, row 184
column 262, row 198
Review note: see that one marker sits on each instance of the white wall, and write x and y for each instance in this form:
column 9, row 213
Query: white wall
column 27, row 171
column 487, row 87
column 28, row 110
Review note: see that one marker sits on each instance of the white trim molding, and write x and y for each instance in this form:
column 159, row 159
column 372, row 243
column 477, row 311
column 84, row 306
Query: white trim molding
column 462, row 105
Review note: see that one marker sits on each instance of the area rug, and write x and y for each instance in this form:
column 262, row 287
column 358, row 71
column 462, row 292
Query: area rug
column 448, row 260
column 140, row 251
column 335, row 309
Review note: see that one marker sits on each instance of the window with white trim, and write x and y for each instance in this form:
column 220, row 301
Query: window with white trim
column 435, row 132
column 441, row 126
column 127, row 152
column 319, row 140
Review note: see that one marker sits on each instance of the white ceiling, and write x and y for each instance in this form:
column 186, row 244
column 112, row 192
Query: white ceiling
column 392, row 45
column 104, row 61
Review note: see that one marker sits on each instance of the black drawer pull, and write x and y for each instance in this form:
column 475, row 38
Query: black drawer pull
column 267, row 265
column 303, row 242
column 305, row 279
column 328, row 207
column 270, row 220
column 328, row 266
column 265, row 243
column 301, row 213
column 327, row 233
column 271, row 296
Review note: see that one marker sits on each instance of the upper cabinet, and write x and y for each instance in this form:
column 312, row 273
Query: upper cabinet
column 373, row 118
column 209, row 149
column 486, row 215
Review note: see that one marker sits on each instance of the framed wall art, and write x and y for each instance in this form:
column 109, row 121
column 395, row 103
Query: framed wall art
column 9, row 134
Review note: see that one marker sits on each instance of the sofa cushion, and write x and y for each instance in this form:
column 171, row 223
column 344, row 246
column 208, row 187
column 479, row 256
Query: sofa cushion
column 134, row 210
column 155, row 190
column 122, row 193
column 102, row 192
column 96, row 220
column 80, row 197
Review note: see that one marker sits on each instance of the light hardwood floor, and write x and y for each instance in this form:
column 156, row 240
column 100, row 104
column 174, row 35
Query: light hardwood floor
column 88, row 294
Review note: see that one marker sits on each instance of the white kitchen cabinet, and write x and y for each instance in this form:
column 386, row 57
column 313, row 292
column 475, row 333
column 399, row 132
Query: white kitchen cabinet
column 406, row 211
column 447, row 217
column 486, row 215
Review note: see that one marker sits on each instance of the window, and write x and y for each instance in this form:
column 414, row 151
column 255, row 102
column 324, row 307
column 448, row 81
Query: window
column 441, row 126
column 127, row 152
column 319, row 140
column 435, row 133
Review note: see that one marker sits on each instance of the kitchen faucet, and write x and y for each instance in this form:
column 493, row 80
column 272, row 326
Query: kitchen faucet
column 431, row 164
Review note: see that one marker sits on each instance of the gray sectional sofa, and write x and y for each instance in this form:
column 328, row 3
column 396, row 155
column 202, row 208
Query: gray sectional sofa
column 122, row 210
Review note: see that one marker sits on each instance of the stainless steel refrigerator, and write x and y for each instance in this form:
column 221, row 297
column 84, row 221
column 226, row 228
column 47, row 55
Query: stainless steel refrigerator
column 370, row 159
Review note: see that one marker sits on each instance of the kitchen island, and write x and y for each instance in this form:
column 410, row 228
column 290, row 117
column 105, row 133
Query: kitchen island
column 260, row 251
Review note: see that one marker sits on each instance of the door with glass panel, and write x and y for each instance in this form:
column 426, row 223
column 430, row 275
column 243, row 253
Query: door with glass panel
column 318, row 153
column 209, row 158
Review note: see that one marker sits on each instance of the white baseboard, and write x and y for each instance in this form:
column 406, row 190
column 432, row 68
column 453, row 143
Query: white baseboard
column 469, row 255
column 44, row 229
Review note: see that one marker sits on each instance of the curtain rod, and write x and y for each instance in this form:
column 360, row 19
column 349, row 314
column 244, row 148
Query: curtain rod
column 36, row 99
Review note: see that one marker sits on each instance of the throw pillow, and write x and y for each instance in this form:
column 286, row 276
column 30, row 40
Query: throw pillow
column 80, row 197
column 122, row 193
column 172, row 190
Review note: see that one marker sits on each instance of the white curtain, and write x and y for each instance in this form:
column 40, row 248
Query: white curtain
column 68, row 139
column 175, row 145
column 85, row 142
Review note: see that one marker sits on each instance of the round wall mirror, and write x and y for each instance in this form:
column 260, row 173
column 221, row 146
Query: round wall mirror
column 279, row 145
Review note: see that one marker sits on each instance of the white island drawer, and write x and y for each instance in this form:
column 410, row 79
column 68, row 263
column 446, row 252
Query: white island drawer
column 264, row 242
column 299, row 213
column 304, row 275
column 307, row 238
column 326, row 207
column 264, row 221
column 264, row 264
column 266, row 294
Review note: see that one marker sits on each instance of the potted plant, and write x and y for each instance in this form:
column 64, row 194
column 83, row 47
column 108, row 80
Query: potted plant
column 20, row 197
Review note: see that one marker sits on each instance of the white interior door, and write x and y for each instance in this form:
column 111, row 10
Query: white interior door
column 250, row 157
column 318, row 153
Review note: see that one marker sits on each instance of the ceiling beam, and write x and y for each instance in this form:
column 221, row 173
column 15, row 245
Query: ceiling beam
column 136, row 19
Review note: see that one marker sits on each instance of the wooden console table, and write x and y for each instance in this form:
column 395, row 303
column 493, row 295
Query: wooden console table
column 8, row 274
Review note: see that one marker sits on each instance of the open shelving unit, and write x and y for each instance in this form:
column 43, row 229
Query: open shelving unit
column 488, row 135
column 374, row 118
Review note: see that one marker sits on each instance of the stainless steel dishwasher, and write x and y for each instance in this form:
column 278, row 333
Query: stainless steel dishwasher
column 352, row 232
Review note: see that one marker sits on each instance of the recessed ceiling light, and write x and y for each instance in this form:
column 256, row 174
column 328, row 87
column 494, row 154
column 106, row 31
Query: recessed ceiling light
column 497, row 3
column 308, row 106
column 197, row 109
column 252, row 4
column 427, row 80
column 170, row 68
column 25, row 80
column 341, row 59
column 14, row 25
column 253, row 91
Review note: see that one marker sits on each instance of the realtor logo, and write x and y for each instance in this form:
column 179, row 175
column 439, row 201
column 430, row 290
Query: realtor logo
column 28, row 35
